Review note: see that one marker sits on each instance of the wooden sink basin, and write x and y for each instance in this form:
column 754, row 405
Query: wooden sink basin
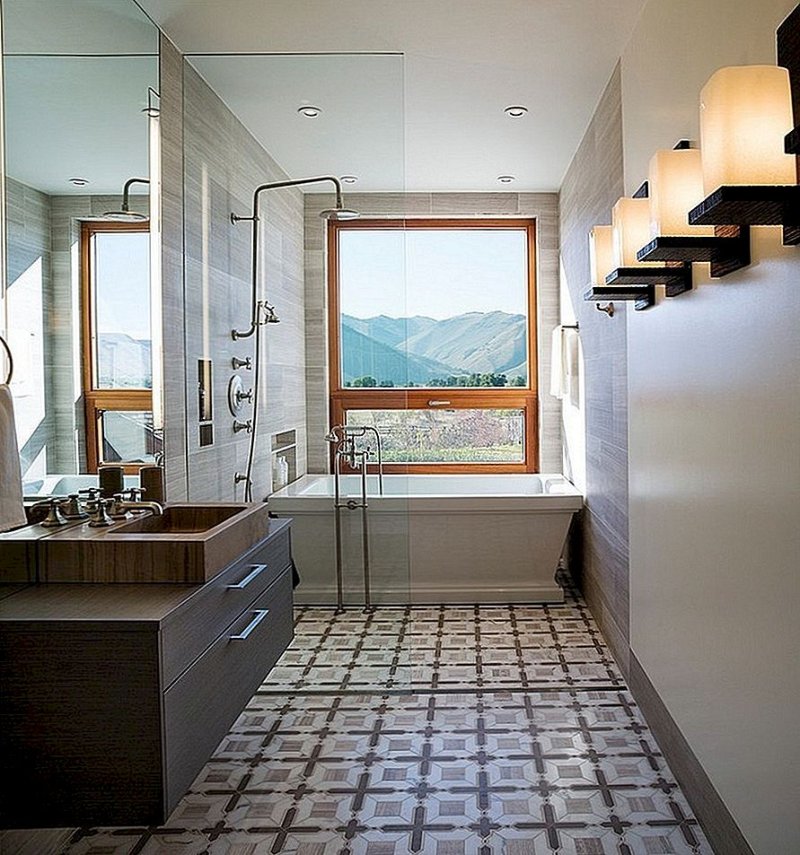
column 188, row 544
column 181, row 519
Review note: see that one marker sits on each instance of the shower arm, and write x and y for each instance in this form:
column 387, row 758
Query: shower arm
column 127, row 189
column 235, row 218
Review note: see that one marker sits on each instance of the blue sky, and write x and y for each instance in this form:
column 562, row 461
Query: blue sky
column 123, row 279
column 438, row 273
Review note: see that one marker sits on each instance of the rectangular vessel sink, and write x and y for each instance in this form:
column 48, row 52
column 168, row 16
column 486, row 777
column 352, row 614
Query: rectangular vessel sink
column 188, row 544
column 181, row 519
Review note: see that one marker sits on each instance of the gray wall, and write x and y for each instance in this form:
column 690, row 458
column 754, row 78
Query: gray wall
column 221, row 165
column 47, row 228
column 542, row 206
column 594, row 181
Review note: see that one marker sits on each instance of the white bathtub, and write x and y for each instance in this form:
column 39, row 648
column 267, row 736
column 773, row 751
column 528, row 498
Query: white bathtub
column 434, row 538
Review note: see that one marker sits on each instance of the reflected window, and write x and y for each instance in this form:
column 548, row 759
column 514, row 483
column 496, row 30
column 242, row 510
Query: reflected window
column 117, row 345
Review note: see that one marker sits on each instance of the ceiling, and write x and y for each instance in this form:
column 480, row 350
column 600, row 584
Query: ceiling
column 430, row 120
column 76, row 79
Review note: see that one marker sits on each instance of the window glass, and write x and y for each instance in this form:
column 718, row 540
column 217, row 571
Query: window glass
column 441, row 307
column 121, row 300
column 447, row 436
column 127, row 436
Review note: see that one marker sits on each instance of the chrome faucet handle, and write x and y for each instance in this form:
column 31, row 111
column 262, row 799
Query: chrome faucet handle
column 54, row 517
column 135, row 493
column 92, row 493
column 240, row 426
column 245, row 396
column 242, row 363
column 101, row 519
column 72, row 509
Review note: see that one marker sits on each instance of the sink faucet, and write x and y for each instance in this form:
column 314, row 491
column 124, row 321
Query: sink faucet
column 135, row 503
column 154, row 507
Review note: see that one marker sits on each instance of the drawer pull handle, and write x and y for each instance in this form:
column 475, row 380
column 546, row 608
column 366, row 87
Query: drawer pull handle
column 257, row 569
column 260, row 614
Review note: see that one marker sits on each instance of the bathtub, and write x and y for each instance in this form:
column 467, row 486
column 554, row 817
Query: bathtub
column 433, row 538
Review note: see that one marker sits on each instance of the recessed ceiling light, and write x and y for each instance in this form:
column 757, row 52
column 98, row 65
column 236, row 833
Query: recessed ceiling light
column 515, row 111
column 79, row 182
column 349, row 179
column 505, row 179
column 309, row 111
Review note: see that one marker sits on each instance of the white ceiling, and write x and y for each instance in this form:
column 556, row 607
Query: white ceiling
column 464, row 61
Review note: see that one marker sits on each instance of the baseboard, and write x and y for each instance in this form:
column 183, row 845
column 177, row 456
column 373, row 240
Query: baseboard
column 715, row 818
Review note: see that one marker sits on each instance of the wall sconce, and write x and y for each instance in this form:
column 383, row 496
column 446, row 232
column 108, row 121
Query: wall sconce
column 630, row 277
column 675, row 182
column 745, row 114
column 602, row 260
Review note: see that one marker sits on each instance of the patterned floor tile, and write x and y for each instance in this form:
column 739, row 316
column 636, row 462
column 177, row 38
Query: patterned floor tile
column 469, row 730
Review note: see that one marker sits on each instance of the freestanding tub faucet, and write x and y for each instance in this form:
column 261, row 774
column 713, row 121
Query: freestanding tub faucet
column 343, row 440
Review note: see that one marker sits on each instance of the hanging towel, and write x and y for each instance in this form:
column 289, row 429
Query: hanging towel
column 571, row 379
column 557, row 363
column 12, row 512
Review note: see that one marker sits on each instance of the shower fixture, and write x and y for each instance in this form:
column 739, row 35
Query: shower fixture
column 124, row 214
column 337, row 213
column 261, row 311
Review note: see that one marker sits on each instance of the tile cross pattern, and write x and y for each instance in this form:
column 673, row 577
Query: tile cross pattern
column 481, row 730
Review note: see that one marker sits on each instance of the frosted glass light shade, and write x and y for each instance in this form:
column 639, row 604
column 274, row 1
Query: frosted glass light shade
column 745, row 112
column 630, row 219
column 601, row 253
column 675, row 181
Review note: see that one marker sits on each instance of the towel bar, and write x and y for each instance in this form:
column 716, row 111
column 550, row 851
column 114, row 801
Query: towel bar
column 10, row 357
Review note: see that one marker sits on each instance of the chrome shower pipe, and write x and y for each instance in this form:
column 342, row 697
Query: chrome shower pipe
column 253, row 218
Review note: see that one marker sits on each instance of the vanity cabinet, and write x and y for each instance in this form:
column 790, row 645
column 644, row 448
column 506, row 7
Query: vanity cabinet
column 112, row 697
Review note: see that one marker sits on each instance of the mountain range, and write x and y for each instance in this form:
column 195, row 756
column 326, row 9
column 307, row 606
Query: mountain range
column 418, row 349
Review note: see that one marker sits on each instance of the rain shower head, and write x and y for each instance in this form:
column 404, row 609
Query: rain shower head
column 124, row 214
column 339, row 214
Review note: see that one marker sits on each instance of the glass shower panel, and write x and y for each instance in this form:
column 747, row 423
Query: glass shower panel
column 350, row 556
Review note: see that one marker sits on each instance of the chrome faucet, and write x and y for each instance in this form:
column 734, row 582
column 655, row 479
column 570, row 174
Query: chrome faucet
column 343, row 440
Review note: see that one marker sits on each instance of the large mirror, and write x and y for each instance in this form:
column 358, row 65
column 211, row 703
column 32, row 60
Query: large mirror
column 80, row 87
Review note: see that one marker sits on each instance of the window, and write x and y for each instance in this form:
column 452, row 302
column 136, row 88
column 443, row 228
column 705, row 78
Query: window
column 116, row 345
column 433, row 342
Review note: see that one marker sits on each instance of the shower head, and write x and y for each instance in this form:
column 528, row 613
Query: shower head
column 339, row 214
column 124, row 214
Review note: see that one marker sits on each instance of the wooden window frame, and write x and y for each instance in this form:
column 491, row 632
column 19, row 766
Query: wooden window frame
column 96, row 401
column 524, row 398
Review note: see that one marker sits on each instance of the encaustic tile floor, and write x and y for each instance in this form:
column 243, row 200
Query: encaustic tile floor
column 486, row 730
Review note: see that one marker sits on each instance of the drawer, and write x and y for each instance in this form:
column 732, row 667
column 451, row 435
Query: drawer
column 187, row 632
column 203, row 703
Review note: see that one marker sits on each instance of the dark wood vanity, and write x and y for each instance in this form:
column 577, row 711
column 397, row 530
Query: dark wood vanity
column 113, row 696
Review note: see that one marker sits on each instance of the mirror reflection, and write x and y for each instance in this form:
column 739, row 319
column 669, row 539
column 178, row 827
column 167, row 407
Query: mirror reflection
column 80, row 87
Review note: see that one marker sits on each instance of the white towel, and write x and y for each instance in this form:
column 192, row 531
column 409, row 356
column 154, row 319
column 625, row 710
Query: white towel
column 12, row 512
column 557, row 363
column 572, row 389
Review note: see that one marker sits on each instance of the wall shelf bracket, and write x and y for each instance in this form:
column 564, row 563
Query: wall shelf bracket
column 727, row 250
column 643, row 296
column 752, row 206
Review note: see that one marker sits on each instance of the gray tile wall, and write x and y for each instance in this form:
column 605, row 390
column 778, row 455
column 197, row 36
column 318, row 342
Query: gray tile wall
column 542, row 206
column 28, row 240
column 172, row 299
column 594, row 181
column 221, row 165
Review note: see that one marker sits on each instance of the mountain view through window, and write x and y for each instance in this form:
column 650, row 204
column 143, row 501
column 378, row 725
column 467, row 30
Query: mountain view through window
column 438, row 308
column 433, row 343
